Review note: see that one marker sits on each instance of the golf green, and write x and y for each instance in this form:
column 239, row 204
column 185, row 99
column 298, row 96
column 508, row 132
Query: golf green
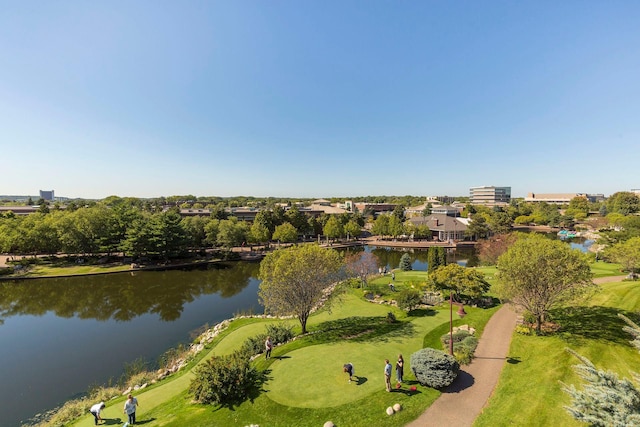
column 312, row 377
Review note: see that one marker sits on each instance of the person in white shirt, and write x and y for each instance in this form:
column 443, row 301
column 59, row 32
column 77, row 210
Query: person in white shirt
column 95, row 411
column 130, row 408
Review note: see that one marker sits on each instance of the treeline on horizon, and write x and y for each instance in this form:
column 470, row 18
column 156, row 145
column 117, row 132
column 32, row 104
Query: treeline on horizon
column 147, row 228
column 232, row 202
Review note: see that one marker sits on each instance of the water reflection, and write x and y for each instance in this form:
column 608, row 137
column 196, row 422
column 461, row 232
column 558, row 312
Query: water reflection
column 390, row 257
column 122, row 297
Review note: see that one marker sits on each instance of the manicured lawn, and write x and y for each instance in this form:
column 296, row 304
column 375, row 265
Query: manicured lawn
column 305, row 384
column 48, row 270
column 529, row 391
column 605, row 269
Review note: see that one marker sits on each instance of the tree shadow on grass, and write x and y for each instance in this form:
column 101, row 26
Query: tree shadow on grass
column 594, row 323
column 422, row 312
column 360, row 329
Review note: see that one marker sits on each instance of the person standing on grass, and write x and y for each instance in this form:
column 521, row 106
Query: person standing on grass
column 387, row 374
column 95, row 411
column 399, row 368
column 268, row 346
column 348, row 368
column 130, row 408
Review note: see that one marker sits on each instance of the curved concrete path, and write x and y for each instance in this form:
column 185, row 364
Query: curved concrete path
column 461, row 402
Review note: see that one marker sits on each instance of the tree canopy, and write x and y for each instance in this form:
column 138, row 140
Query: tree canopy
column 461, row 280
column 296, row 280
column 539, row 274
column 626, row 253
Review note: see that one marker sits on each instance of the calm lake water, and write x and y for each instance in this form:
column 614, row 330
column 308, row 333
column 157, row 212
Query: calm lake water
column 60, row 336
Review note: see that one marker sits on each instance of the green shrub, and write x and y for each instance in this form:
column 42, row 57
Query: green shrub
column 434, row 368
column 224, row 380
column 391, row 318
column 464, row 345
column 254, row 345
column 524, row 330
column 470, row 342
column 528, row 318
column 408, row 299
column 458, row 337
column 463, row 355
column 279, row 333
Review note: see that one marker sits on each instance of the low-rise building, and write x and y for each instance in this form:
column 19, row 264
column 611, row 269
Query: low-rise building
column 443, row 227
column 561, row 198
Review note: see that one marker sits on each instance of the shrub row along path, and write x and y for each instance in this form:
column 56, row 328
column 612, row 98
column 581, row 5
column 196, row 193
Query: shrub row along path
column 461, row 402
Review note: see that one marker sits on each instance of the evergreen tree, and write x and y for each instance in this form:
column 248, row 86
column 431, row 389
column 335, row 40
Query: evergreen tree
column 606, row 400
column 405, row 262
column 432, row 259
column 632, row 329
column 442, row 256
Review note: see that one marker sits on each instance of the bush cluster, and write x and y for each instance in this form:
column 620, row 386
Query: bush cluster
column 224, row 380
column 434, row 368
column 408, row 299
column 279, row 334
column 464, row 345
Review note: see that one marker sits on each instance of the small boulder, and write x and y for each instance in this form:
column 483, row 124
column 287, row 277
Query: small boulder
column 329, row 424
column 397, row 407
column 390, row 411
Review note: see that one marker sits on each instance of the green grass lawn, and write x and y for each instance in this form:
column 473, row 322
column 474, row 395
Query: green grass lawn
column 305, row 384
column 605, row 269
column 529, row 391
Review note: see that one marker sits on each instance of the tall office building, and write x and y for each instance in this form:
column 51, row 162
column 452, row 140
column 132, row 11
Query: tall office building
column 490, row 196
column 47, row 195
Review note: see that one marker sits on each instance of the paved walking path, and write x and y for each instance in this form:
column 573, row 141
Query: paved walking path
column 462, row 402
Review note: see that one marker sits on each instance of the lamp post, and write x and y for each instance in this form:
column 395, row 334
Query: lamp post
column 460, row 312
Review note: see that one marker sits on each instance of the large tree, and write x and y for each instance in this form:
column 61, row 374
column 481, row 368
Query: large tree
column 489, row 250
column 624, row 202
column 626, row 253
column 361, row 265
column 333, row 229
column 477, row 228
column 461, row 280
column 232, row 232
column 539, row 274
column 286, row 233
column 297, row 279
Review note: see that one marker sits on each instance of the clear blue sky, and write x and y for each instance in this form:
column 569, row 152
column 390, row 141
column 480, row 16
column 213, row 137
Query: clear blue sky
column 318, row 99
